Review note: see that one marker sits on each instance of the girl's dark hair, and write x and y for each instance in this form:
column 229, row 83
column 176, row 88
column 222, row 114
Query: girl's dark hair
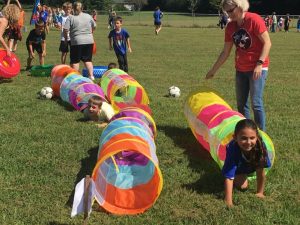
column 258, row 158
column 245, row 123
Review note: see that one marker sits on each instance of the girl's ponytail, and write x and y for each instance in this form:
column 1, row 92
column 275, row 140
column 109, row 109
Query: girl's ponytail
column 260, row 156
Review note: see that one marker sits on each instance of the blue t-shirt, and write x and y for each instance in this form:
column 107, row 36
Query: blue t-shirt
column 157, row 15
column 236, row 162
column 44, row 16
column 119, row 41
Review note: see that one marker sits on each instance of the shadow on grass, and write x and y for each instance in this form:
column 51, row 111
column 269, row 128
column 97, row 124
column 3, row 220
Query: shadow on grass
column 66, row 105
column 3, row 81
column 211, row 180
column 82, row 120
column 87, row 166
column 57, row 223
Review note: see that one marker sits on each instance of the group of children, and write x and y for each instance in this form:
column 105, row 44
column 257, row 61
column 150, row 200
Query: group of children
column 275, row 24
column 246, row 153
column 36, row 41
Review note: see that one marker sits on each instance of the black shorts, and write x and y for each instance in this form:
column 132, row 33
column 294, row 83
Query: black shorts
column 64, row 47
column 35, row 47
column 14, row 34
column 157, row 23
column 81, row 53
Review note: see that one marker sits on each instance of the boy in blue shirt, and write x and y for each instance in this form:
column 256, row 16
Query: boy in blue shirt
column 157, row 15
column 119, row 41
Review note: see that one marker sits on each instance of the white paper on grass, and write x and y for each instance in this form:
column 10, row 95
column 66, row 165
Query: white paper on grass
column 78, row 202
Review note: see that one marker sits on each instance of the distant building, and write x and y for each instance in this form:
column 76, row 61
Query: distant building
column 127, row 4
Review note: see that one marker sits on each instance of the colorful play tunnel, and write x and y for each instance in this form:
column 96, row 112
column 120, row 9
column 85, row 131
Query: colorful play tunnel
column 138, row 113
column 77, row 90
column 127, row 175
column 58, row 74
column 122, row 90
column 212, row 122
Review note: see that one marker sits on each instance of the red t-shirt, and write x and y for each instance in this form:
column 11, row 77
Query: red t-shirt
column 245, row 38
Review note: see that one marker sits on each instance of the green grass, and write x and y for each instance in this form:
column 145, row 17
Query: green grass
column 46, row 149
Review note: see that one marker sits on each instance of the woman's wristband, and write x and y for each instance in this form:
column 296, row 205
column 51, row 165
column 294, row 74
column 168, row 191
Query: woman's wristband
column 259, row 62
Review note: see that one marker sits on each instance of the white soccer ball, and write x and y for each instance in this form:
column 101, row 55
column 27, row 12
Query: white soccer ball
column 174, row 91
column 46, row 92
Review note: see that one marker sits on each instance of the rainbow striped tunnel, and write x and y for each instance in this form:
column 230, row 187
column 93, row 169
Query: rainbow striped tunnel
column 127, row 176
column 122, row 90
column 77, row 90
column 58, row 74
column 212, row 122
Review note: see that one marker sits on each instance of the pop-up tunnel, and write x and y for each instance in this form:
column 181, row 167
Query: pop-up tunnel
column 58, row 74
column 77, row 90
column 212, row 122
column 127, row 176
column 122, row 90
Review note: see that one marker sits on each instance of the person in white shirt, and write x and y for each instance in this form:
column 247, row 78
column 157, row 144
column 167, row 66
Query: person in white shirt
column 64, row 46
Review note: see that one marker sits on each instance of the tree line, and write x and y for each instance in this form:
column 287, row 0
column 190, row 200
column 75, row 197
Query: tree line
column 197, row 6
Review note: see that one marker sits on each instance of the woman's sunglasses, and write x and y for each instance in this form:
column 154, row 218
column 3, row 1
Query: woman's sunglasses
column 230, row 10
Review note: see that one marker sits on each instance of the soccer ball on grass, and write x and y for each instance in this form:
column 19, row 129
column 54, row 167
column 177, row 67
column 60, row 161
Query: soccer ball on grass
column 174, row 91
column 46, row 93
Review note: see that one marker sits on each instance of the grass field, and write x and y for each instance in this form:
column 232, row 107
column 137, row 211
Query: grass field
column 46, row 149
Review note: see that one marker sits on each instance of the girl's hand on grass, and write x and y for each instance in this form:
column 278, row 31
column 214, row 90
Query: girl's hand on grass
column 32, row 55
column 44, row 53
column 101, row 125
column 260, row 195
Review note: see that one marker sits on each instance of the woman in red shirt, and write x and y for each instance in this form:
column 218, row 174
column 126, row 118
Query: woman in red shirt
column 248, row 32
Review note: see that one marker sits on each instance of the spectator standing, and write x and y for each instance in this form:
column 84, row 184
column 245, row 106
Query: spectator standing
column 298, row 24
column 119, row 41
column 274, row 22
column 80, row 26
column 111, row 19
column 287, row 21
column 248, row 32
column 64, row 45
column 9, row 16
column 94, row 15
column 157, row 15
column 280, row 24
column 14, row 31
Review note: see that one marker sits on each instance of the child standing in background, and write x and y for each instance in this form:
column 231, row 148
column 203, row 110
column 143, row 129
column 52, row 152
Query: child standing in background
column 36, row 41
column 119, row 41
column 157, row 15
column 64, row 45
column 94, row 15
column 298, row 24
column 9, row 16
column 245, row 154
